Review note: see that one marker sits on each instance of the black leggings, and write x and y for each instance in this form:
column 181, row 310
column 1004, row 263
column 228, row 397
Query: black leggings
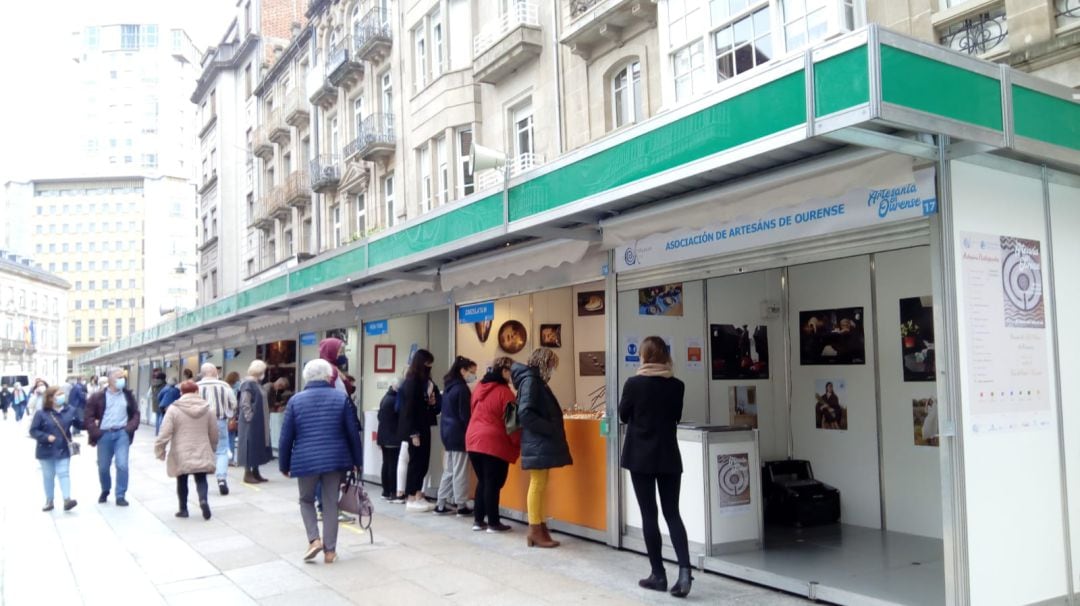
column 645, row 487
column 182, row 488
column 389, row 470
column 419, row 461
column 490, row 479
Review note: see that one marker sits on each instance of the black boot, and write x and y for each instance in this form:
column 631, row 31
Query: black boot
column 182, row 512
column 656, row 582
column 681, row 589
column 205, row 509
column 223, row 487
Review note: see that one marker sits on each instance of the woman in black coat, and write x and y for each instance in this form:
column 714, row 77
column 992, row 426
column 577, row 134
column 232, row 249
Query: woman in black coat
column 543, row 436
column 651, row 407
column 389, row 442
column 418, row 412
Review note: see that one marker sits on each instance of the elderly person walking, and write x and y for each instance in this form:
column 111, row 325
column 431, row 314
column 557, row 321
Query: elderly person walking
column 192, row 430
column 221, row 399
column 112, row 417
column 320, row 441
column 51, row 428
column 543, row 438
column 253, row 444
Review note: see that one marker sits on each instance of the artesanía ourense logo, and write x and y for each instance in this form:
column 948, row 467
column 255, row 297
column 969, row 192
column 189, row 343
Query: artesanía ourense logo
column 630, row 256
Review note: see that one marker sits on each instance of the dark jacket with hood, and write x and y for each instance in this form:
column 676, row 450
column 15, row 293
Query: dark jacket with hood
column 387, row 435
column 45, row 425
column 543, row 437
column 455, row 414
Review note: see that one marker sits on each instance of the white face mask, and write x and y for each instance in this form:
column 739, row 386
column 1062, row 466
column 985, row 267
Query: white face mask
column 470, row 378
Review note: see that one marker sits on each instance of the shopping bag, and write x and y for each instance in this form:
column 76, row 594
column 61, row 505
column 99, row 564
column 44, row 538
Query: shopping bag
column 354, row 499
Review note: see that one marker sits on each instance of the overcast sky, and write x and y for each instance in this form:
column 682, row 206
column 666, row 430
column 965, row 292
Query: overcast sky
column 36, row 47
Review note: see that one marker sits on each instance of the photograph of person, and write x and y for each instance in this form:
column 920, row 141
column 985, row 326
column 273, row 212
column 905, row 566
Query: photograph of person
column 829, row 411
column 832, row 336
column 917, row 338
column 739, row 352
column 924, row 413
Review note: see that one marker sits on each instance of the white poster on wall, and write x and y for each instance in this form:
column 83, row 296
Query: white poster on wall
column 695, row 353
column 631, row 352
column 908, row 196
column 1005, row 316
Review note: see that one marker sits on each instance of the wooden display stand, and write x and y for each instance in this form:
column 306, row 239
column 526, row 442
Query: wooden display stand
column 576, row 495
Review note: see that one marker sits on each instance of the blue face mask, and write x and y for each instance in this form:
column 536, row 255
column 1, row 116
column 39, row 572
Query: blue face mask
column 343, row 362
column 121, row 383
column 60, row 399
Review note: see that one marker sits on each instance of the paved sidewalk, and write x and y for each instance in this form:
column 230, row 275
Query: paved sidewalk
column 250, row 552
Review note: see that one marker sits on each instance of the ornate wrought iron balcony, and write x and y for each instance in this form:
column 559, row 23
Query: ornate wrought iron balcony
column 325, row 173
column 979, row 34
column 374, row 36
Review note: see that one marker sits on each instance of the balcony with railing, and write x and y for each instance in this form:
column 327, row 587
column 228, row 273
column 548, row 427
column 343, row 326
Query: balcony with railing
column 507, row 43
column 279, row 131
column 319, row 90
column 489, row 179
column 296, row 108
column 17, row 346
column 374, row 37
column 269, row 207
column 343, row 68
column 376, row 139
column 325, row 173
column 983, row 34
column 591, row 24
column 208, row 181
column 297, row 189
column 261, row 145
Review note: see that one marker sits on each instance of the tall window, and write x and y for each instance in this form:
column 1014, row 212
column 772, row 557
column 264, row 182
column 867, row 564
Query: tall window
column 78, row 330
column 437, row 60
column 247, row 80
column 443, row 170
column 423, row 161
column 149, row 38
column 804, row 22
column 131, row 325
column 743, row 43
column 420, row 57
column 119, row 330
column 626, row 95
column 523, row 133
column 689, row 68
column 104, row 328
column 465, row 181
column 335, row 219
column 214, row 284
column 129, row 37
column 334, row 141
column 358, row 114
column 361, row 214
column 682, row 18
column 388, row 196
column 387, row 93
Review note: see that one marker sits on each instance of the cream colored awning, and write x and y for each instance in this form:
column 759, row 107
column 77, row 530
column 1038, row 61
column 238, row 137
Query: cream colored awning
column 392, row 289
column 516, row 261
column 307, row 311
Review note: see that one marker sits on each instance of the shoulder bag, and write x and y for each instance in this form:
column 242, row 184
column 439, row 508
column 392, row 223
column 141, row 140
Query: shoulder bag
column 73, row 447
column 354, row 499
column 510, row 417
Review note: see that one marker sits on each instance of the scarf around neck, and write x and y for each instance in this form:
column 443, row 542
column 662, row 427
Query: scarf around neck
column 654, row 370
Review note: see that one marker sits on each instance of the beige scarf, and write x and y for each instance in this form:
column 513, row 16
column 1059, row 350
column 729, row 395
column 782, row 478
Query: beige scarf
column 654, row 370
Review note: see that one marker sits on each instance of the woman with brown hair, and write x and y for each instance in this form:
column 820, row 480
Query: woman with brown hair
column 52, row 431
column 190, row 431
column 490, row 448
column 543, row 436
column 651, row 406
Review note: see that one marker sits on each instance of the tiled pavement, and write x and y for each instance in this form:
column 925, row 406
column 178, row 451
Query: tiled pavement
column 249, row 553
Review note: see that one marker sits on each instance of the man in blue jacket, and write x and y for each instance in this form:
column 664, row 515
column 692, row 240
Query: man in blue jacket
column 320, row 442
column 168, row 394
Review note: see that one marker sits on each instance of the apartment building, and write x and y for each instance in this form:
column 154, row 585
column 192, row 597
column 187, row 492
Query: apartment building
column 33, row 308
column 227, row 114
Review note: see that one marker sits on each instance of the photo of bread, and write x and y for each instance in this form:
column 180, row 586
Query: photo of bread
column 590, row 303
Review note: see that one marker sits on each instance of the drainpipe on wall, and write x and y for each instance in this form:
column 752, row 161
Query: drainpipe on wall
column 316, row 198
column 558, row 78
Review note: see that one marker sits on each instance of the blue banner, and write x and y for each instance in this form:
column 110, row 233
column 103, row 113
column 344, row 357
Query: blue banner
column 376, row 328
column 308, row 338
column 477, row 312
column 230, row 354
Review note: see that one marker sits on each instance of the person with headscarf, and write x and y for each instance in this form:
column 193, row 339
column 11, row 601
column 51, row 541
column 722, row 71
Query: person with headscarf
column 333, row 351
column 253, row 445
column 543, row 438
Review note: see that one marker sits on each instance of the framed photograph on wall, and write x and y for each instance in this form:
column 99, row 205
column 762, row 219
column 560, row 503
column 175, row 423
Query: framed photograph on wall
column 590, row 303
column 739, row 351
column 551, row 335
column 385, row 356
column 917, row 338
column 832, row 336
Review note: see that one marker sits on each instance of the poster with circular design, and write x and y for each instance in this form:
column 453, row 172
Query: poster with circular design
column 512, row 336
column 733, row 476
column 1021, row 281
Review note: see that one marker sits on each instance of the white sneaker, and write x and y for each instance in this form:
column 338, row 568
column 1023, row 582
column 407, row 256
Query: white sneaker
column 418, row 506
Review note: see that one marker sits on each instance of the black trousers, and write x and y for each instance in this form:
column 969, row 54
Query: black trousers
column 645, row 489
column 182, row 488
column 490, row 479
column 389, row 470
column 419, row 462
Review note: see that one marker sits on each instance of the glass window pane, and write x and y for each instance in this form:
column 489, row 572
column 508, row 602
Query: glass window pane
column 764, row 49
column 719, row 11
column 725, row 67
column 761, row 21
column 743, row 31
column 723, row 40
column 818, row 24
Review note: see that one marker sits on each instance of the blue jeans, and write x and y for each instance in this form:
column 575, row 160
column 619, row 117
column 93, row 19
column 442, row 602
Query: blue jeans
column 157, row 424
column 232, row 444
column 222, row 466
column 20, row 410
column 113, row 444
column 51, row 469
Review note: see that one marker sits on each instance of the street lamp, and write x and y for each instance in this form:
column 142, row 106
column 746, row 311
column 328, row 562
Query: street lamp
column 181, row 268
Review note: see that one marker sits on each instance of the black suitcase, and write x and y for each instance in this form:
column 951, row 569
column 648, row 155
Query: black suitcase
column 794, row 498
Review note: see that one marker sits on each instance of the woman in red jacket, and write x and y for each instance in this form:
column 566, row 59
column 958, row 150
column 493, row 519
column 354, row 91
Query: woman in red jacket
column 490, row 449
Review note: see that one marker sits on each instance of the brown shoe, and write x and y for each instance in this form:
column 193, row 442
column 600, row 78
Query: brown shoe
column 547, row 534
column 329, row 557
column 249, row 478
column 313, row 550
column 537, row 538
column 258, row 476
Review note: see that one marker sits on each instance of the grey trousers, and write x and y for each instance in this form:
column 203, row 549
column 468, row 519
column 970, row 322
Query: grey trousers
column 454, row 485
column 331, row 483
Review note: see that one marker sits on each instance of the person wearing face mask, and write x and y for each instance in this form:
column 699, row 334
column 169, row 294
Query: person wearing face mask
column 491, row 449
column 18, row 401
column 112, row 416
column 253, row 444
column 455, row 420
column 419, row 400
column 7, row 397
column 333, row 351
column 37, row 396
column 543, row 437
column 51, row 428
